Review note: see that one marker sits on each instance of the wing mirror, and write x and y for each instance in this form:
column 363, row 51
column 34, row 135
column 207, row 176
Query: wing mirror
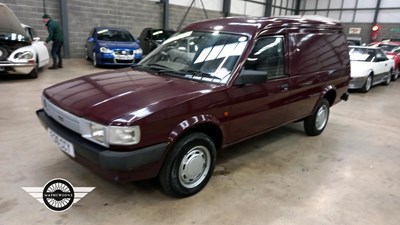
column 251, row 77
column 90, row 39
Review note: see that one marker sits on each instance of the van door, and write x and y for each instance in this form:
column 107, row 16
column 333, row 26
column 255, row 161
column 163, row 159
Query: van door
column 260, row 92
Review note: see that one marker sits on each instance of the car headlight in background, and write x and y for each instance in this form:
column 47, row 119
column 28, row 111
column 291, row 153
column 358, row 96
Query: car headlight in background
column 105, row 50
column 124, row 135
column 138, row 51
column 24, row 55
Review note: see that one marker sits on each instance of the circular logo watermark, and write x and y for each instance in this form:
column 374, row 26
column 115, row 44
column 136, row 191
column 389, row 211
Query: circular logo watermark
column 58, row 195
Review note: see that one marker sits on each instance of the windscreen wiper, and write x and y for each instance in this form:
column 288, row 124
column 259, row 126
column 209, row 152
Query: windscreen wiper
column 201, row 74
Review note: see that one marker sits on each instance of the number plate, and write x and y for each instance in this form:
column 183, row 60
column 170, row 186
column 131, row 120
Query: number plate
column 124, row 57
column 63, row 144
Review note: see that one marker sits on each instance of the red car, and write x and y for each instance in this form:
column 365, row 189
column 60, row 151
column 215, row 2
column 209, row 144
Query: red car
column 213, row 84
column 392, row 50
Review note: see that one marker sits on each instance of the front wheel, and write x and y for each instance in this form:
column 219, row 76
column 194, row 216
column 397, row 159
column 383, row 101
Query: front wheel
column 35, row 71
column 316, row 123
column 95, row 64
column 189, row 166
column 396, row 74
column 388, row 79
column 367, row 84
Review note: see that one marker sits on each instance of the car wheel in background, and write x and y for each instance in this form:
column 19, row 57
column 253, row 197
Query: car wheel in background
column 86, row 55
column 95, row 60
column 396, row 74
column 35, row 71
column 316, row 123
column 189, row 165
column 367, row 85
column 389, row 78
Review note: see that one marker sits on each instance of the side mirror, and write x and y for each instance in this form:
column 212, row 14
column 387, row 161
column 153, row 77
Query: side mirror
column 380, row 59
column 36, row 38
column 251, row 77
column 138, row 41
column 90, row 39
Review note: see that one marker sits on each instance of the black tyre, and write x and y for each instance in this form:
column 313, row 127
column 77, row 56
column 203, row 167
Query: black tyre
column 388, row 79
column 35, row 71
column 316, row 123
column 95, row 60
column 368, row 84
column 189, row 165
column 396, row 74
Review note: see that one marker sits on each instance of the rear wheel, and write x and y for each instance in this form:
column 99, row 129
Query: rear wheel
column 86, row 55
column 189, row 166
column 367, row 85
column 316, row 123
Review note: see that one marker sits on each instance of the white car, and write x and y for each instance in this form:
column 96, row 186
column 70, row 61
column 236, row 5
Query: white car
column 21, row 51
column 369, row 66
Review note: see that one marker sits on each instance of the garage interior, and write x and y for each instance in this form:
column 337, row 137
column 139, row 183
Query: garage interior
column 347, row 175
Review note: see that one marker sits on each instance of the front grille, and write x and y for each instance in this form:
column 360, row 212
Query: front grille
column 123, row 52
column 63, row 117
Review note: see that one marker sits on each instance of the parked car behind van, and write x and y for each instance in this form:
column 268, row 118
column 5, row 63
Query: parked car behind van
column 151, row 38
column 112, row 46
column 215, row 83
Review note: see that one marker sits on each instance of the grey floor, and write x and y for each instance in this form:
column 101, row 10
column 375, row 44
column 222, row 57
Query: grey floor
column 348, row 175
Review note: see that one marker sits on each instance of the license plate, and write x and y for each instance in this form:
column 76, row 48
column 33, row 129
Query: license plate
column 124, row 57
column 61, row 143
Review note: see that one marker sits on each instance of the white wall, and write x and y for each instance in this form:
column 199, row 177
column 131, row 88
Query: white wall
column 215, row 5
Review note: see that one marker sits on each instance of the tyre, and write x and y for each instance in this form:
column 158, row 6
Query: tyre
column 35, row 71
column 396, row 74
column 86, row 55
column 189, row 165
column 316, row 123
column 368, row 84
column 95, row 60
column 388, row 79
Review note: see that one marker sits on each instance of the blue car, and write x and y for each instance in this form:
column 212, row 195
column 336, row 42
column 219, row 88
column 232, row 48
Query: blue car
column 112, row 46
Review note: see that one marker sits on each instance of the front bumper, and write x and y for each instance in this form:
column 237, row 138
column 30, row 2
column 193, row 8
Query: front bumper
column 111, row 59
column 9, row 67
column 357, row 82
column 111, row 164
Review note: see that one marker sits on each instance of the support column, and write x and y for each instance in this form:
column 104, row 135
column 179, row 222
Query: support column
column 64, row 25
column 268, row 8
column 226, row 8
column 297, row 9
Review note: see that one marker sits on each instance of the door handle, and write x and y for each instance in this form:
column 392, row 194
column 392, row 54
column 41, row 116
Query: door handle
column 284, row 87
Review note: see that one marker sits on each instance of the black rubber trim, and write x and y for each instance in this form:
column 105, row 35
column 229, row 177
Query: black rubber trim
column 100, row 155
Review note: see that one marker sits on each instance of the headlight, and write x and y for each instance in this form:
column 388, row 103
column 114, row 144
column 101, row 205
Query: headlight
column 24, row 55
column 124, row 135
column 105, row 50
column 97, row 132
column 138, row 51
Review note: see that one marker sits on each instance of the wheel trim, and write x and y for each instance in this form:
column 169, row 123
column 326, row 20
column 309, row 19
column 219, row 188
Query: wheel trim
column 322, row 117
column 94, row 59
column 368, row 83
column 194, row 167
column 396, row 74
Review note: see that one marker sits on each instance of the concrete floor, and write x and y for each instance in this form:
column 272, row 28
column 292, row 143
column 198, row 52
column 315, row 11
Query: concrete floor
column 348, row 175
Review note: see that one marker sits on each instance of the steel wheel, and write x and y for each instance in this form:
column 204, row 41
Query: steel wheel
column 322, row 117
column 189, row 165
column 396, row 74
column 316, row 123
column 194, row 167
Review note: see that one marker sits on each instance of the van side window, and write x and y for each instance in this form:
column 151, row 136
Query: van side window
column 267, row 56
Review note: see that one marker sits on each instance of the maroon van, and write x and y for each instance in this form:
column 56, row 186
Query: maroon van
column 213, row 84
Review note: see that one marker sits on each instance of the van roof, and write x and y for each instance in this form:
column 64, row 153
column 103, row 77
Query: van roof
column 252, row 25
